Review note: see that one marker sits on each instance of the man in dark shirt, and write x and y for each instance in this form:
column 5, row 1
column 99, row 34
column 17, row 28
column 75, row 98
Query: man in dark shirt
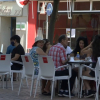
column 16, row 53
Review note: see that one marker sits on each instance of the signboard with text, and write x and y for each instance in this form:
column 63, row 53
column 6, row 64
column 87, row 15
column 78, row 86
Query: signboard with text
column 10, row 9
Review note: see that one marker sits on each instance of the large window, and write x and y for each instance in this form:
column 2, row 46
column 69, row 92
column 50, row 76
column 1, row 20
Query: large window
column 85, row 21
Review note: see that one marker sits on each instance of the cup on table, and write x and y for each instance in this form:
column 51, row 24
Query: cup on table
column 88, row 58
column 71, row 58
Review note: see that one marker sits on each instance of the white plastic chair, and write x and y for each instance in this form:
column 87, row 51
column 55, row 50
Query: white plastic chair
column 47, row 72
column 29, row 71
column 5, row 66
column 26, row 53
column 85, row 77
column 97, row 75
column 16, row 71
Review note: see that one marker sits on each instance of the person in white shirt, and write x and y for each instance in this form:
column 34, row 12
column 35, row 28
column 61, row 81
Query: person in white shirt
column 68, row 50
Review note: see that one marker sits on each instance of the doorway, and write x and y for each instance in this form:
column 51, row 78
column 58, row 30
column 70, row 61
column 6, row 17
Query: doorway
column 13, row 26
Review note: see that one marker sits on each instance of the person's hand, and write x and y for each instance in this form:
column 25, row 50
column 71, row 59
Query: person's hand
column 75, row 58
column 90, row 45
column 49, row 46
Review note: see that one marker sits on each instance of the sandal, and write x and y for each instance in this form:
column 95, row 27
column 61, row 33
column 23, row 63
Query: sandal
column 46, row 93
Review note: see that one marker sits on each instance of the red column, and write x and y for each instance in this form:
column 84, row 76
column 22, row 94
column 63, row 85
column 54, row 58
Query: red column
column 32, row 24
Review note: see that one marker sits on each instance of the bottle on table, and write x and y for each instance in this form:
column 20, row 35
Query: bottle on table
column 78, row 55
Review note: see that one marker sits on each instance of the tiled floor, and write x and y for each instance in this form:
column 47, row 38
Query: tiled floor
column 8, row 94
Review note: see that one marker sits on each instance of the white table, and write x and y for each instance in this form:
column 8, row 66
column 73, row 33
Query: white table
column 80, row 62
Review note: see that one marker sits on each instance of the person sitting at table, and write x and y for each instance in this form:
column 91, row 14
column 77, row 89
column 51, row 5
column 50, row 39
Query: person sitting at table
column 37, row 49
column 68, row 50
column 58, row 54
column 95, row 54
column 88, row 50
column 10, row 47
column 80, row 44
column 16, row 54
column 46, row 49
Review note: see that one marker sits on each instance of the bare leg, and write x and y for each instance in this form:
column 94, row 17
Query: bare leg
column 47, row 87
column 87, row 85
column 43, row 84
column 14, row 76
column 86, row 82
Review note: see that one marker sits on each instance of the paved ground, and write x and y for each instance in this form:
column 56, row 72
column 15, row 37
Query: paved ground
column 8, row 94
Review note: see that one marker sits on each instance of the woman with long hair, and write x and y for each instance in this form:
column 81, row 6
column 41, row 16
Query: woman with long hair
column 95, row 45
column 88, row 50
column 80, row 44
column 46, row 46
column 37, row 49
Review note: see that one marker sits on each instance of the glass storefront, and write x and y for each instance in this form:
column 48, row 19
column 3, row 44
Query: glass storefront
column 85, row 21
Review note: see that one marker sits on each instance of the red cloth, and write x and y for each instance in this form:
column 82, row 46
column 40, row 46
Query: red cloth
column 58, row 53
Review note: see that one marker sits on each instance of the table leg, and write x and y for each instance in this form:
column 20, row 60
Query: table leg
column 79, row 81
column 6, row 81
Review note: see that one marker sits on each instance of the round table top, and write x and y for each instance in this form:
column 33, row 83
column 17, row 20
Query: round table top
column 81, row 62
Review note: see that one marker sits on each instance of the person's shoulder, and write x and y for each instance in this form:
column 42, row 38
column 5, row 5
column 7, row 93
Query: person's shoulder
column 38, row 48
column 49, row 46
column 9, row 46
column 34, row 48
column 20, row 46
column 68, row 47
column 59, row 46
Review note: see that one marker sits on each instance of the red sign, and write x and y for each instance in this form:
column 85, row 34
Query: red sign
column 45, row 60
column 22, row 3
column 2, row 57
column 26, row 59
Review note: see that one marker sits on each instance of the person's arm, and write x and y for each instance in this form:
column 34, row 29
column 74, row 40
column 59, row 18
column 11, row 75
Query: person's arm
column 65, row 61
column 72, row 54
column 8, row 51
column 86, row 50
column 16, row 57
column 40, row 52
column 48, row 49
column 63, row 57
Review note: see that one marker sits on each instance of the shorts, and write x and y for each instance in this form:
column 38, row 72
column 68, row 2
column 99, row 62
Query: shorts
column 92, row 73
column 16, row 67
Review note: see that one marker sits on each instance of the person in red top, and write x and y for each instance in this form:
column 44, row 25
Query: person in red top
column 58, row 53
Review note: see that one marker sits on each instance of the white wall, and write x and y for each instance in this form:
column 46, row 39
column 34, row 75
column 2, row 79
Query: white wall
column 23, row 33
column 5, row 32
